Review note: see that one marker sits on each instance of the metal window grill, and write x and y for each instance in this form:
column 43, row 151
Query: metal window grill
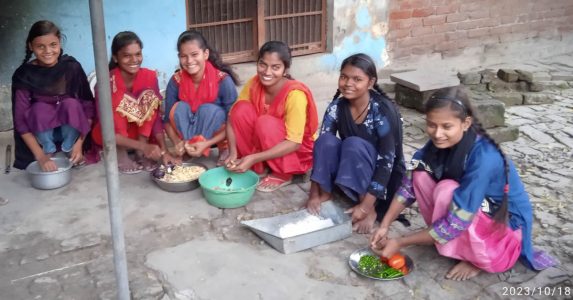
column 237, row 28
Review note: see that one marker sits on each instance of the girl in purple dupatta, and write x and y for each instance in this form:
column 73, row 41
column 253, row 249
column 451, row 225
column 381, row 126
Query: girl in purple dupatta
column 51, row 101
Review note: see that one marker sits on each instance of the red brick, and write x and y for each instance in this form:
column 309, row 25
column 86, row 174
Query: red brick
column 400, row 14
column 508, row 20
column 519, row 28
column 434, row 20
column 421, row 50
column 408, row 42
column 401, row 53
column 500, row 30
column 452, row 53
column 458, row 35
column 478, row 32
column 422, row 12
column 456, row 18
column 473, row 6
column 446, row 46
column 447, row 9
column 444, row 28
column 404, row 23
column 421, row 31
column 469, row 25
column 479, row 14
column 434, row 38
column 410, row 4
column 398, row 33
column 553, row 13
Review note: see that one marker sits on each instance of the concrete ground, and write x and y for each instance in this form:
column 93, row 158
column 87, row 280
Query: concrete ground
column 56, row 244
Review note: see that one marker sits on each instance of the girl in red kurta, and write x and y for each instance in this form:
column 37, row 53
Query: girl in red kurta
column 135, row 103
column 273, row 122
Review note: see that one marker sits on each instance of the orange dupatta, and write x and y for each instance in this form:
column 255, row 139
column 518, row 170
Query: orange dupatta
column 277, row 107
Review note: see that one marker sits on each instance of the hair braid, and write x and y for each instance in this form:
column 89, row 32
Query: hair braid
column 501, row 215
column 336, row 95
column 28, row 55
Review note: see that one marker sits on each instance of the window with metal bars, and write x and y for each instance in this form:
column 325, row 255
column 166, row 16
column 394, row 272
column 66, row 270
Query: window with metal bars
column 238, row 28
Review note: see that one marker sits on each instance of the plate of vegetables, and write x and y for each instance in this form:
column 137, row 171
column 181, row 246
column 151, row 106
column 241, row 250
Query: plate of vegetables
column 368, row 264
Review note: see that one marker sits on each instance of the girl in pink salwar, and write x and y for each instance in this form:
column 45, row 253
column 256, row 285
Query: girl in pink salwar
column 469, row 194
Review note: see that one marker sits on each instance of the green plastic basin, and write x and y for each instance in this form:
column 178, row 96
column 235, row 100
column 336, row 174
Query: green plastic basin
column 238, row 193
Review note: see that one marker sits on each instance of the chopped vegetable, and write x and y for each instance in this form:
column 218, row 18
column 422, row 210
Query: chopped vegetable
column 397, row 261
column 372, row 266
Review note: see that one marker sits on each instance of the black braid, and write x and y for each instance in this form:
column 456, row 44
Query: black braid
column 28, row 55
column 502, row 213
column 377, row 88
column 336, row 95
column 457, row 100
column 215, row 59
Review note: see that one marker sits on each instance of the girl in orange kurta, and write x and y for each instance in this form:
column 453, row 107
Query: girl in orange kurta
column 273, row 123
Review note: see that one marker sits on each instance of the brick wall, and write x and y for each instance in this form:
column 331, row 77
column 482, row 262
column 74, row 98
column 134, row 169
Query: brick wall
column 421, row 27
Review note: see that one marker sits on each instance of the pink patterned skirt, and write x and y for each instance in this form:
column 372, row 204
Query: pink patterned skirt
column 484, row 244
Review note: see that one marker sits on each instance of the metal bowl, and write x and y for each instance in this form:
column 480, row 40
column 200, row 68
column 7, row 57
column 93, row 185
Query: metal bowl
column 177, row 187
column 50, row 180
column 355, row 258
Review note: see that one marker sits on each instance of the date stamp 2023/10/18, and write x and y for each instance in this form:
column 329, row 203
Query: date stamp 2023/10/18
column 552, row 291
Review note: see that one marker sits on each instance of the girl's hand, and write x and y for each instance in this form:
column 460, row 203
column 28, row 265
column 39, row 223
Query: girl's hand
column 76, row 154
column 168, row 158
column 378, row 239
column 242, row 165
column 230, row 160
column 151, row 151
column 388, row 247
column 180, row 148
column 358, row 213
column 46, row 164
column 196, row 149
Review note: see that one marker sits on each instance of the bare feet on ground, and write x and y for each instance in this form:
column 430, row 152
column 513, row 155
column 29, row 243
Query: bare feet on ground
column 463, row 271
column 365, row 225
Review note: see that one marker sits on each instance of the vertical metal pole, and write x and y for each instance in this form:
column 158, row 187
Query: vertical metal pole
column 110, row 151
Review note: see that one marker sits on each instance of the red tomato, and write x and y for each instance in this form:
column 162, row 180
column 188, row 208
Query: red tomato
column 404, row 270
column 383, row 260
column 397, row 261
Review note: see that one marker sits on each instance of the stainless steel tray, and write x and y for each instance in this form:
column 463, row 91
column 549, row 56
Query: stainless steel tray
column 269, row 229
column 355, row 258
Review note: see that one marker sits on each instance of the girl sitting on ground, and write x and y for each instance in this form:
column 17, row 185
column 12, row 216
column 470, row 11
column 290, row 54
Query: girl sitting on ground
column 469, row 194
column 198, row 98
column 135, row 101
column 51, row 101
column 366, row 162
column 273, row 123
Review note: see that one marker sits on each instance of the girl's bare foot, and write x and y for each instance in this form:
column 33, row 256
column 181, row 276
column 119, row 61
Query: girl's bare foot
column 463, row 271
column 365, row 225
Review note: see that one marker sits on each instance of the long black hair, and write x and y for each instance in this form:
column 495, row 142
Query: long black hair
column 455, row 99
column 120, row 40
column 40, row 28
column 367, row 65
column 283, row 52
column 214, row 57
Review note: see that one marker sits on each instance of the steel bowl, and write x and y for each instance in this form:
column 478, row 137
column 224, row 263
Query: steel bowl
column 177, row 187
column 50, row 180
column 355, row 258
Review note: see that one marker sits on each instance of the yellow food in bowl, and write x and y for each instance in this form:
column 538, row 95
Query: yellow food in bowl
column 183, row 174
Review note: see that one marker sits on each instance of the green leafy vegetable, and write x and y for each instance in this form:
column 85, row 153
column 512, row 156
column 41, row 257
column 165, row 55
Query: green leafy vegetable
column 373, row 267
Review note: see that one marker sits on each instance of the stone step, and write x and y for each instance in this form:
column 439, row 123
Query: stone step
column 425, row 80
column 504, row 133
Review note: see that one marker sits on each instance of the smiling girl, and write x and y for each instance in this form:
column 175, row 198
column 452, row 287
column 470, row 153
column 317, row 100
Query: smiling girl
column 135, row 101
column 198, row 98
column 51, row 101
column 366, row 162
column 273, row 123
column 469, row 194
